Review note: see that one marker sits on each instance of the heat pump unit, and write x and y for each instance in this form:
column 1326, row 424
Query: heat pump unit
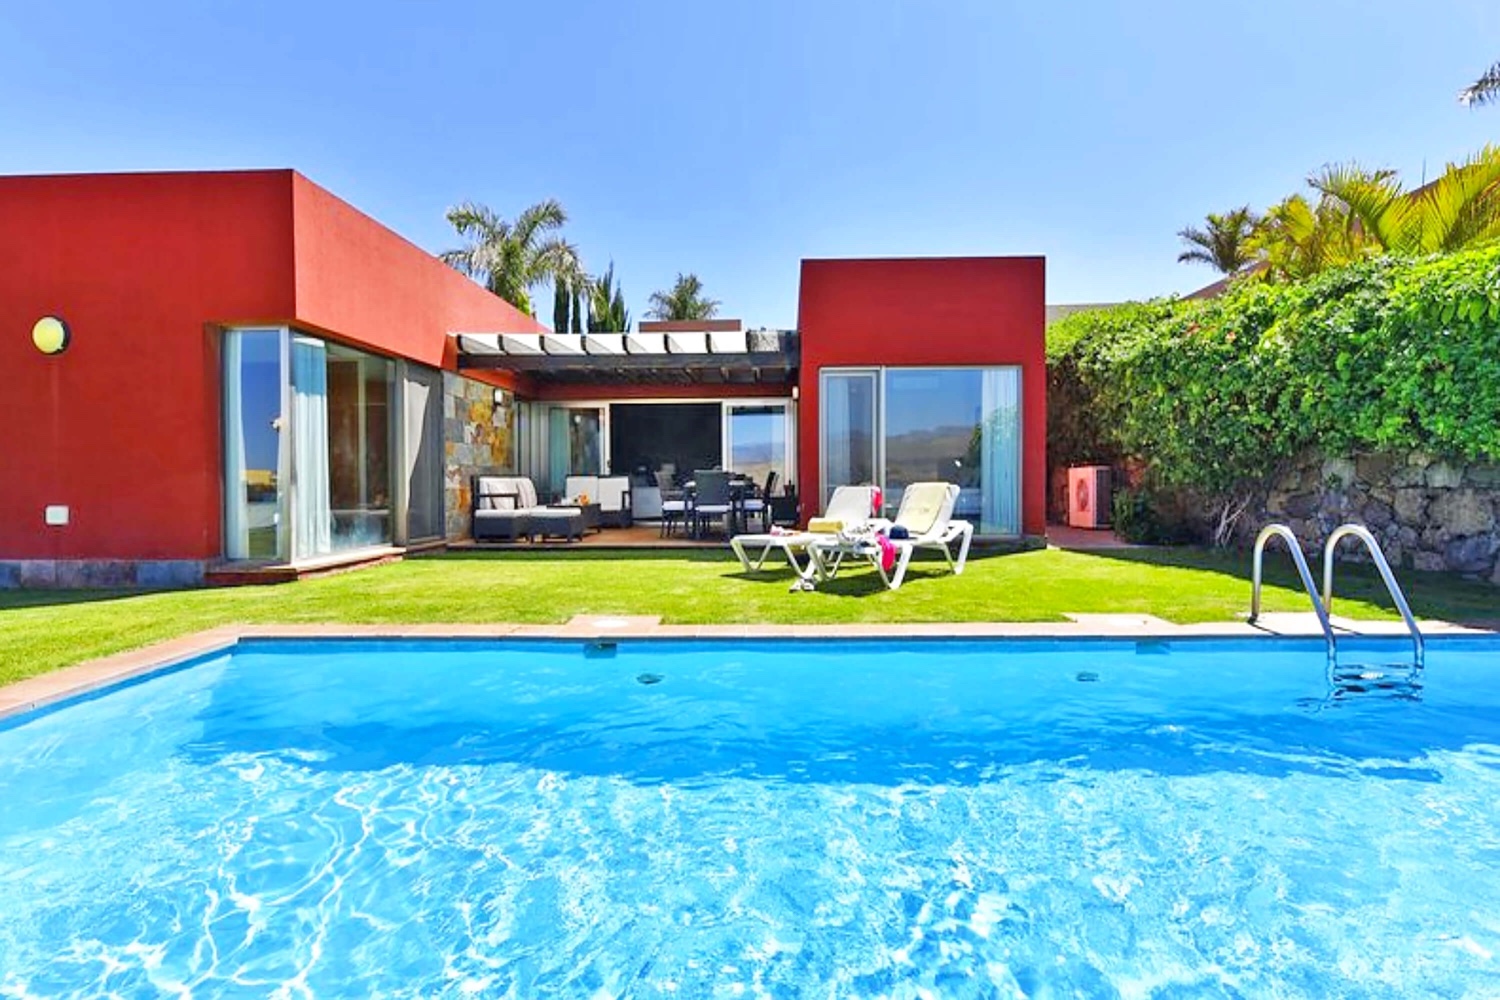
column 1088, row 496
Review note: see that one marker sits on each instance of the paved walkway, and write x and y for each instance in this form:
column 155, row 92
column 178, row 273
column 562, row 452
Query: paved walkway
column 1060, row 536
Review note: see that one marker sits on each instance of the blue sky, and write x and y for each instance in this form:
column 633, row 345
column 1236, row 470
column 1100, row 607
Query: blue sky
column 735, row 139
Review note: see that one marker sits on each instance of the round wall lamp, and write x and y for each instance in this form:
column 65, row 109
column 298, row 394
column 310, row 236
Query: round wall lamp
column 51, row 335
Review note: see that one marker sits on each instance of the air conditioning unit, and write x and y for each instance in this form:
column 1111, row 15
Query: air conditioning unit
column 1088, row 496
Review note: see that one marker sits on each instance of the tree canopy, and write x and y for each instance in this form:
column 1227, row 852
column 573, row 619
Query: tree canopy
column 684, row 301
column 513, row 258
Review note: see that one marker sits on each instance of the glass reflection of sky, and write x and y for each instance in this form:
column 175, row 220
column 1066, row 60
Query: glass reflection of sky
column 927, row 400
column 757, row 435
column 260, row 387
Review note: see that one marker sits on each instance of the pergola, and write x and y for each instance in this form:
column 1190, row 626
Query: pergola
column 749, row 357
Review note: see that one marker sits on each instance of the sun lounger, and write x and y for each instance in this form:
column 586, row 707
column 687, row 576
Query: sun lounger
column 926, row 519
column 849, row 505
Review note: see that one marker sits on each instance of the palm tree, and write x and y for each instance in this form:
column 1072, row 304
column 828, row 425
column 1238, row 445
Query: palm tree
column 512, row 258
column 1298, row 238
column 1460, row 208
column 684, row 301
column 1483, row 90
column 607, row 312
column 1223, row 244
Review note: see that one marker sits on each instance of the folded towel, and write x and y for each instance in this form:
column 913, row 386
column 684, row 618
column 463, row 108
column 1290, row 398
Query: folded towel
column 825, row 525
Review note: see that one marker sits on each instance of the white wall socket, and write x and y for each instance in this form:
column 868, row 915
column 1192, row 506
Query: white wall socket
column 56, row 514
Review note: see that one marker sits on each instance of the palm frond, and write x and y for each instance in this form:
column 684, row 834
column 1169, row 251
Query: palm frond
column 1370, row 203
column 512, row 259
column 1483, row 90
column 1223, row 243
column 544, row 216
column 685, row 301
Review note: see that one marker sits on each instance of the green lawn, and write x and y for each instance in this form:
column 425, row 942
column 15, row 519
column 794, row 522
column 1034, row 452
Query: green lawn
column 44, row 630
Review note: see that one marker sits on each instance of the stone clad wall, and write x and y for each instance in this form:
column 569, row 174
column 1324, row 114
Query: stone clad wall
column 479, row 432
column 1427, row 513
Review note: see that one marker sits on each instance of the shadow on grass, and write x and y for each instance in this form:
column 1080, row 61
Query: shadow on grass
column 581, row 554
column 1431, row 595
column 14, row 600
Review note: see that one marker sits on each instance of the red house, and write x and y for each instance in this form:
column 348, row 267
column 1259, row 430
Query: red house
column 253, row 372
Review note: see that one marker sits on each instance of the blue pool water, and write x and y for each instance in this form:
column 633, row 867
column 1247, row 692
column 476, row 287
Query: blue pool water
column 776, row 819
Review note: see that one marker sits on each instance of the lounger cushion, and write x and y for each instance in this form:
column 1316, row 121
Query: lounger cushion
column 850, row 503
column 924, row 506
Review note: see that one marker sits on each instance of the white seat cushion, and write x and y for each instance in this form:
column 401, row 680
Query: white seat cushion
column 610, row 492
column 582, row 486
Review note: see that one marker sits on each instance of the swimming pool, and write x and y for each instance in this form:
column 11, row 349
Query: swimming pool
column 779, row 818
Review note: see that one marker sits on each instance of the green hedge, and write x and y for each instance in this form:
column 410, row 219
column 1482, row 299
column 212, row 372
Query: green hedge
column 1212, row 396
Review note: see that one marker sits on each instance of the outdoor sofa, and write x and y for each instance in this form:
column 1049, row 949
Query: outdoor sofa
column 506, row 509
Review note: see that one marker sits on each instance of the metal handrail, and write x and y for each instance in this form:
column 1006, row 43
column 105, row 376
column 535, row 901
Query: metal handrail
column 1392, row 587
column 1295, row 548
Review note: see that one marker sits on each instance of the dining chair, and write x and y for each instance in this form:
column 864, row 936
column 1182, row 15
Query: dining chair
column 713, row 498
column 758, row 501
column 674, row 503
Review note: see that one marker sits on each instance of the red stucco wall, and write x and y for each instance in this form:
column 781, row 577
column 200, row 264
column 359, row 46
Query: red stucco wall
column 124, row 427
column 363, row 283
column 933, row 312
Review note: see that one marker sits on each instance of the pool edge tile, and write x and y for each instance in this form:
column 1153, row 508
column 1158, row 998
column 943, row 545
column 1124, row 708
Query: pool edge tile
column 41, row 690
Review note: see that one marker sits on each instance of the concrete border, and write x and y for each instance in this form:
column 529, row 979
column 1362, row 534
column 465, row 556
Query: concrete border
column 58, row 685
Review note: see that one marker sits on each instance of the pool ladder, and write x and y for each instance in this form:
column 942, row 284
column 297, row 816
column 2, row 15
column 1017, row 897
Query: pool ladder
column 1322, row 603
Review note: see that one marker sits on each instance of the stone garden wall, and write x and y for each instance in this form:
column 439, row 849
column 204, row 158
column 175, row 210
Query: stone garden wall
column 479, row 438
column 1428, row 514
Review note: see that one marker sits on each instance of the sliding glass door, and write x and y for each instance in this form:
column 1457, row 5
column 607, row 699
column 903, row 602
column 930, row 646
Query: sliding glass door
column 255, row 449
column 308, row 462
column 576, row 443
column 954, row 425
column 849, row 442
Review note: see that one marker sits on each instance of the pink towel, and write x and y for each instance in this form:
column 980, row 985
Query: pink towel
column 887, row 553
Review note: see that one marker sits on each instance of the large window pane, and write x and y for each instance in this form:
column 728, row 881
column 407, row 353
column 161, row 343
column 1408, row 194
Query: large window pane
column 757, row 441
column 957, row 425
column 359, row 448
column 932, row 433
column 848, row 405
column 253, row 455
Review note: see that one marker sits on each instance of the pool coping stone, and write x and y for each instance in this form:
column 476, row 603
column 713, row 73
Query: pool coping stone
column 36, row 692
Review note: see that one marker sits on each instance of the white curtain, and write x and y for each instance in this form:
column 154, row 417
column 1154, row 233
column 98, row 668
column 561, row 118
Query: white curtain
column 312, row 510
column 1000, row 459
column 559, row 457
column 421, row 466
column 236, row 514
